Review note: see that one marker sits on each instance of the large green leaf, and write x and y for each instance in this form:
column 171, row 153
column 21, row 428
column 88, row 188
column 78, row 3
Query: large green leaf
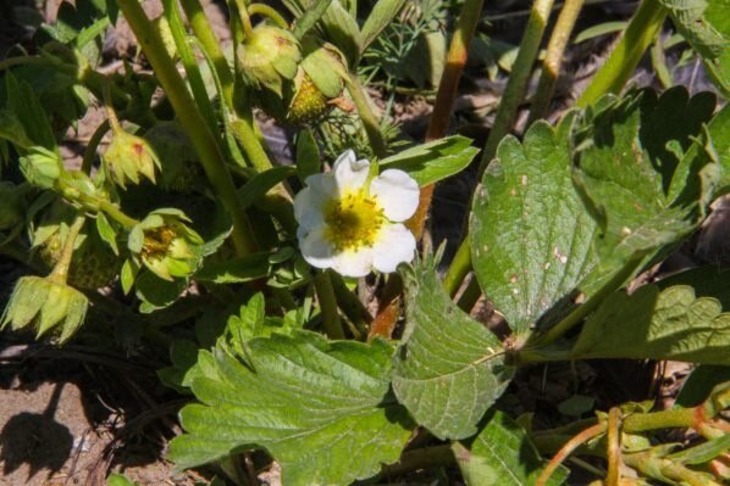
column 433, row 161
column 449, row 369
column 706, row 25
column 670, row 324
column 320, row 408
column 615, row 174
column 531, row 236
column 502, row 454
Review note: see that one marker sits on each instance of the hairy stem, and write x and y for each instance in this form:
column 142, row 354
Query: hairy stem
column 515, row 89
column 203, row 139
column 553, row 59
column 367, row 115
column 328, row 304
column 211, row 45
column 60, row 270
column 621, row 63
column 567, row 449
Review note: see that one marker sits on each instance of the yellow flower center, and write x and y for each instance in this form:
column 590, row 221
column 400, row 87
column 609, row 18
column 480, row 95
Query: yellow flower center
column 353, row 221
column 157, row 242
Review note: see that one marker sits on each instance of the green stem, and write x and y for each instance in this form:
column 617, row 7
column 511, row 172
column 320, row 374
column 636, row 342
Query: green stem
column 90, row 152
column 60, row 270
column 245, row 18
column 328, row 305
column 515, row 89
column 662, row 469
column 470, row 296
column 553, row 59
column 270, row 13
column 93, row 203
column 205, row 143
column 195, row 79
column 351, row 306
column 455, row 62
column 621, row 63
column 367, row 115
column 244, row 132
column 459, row 268
column 211, row 45
column 117, row 215
column 664, row 419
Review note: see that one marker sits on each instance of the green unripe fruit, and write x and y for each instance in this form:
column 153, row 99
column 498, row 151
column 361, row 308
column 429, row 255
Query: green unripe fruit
column 269, row 57
column 93, row 264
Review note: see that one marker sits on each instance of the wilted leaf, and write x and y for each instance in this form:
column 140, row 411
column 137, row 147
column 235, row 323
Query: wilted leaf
column 502, row 454
column 449, row 369
column 320, row 408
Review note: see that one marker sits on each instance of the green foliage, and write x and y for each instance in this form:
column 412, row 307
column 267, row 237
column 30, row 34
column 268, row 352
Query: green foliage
column 705, row 24
column 532, row 240
column 321, row 409
column 433, row 161
column 502, row 454
column 671, row 324
column 449, row 369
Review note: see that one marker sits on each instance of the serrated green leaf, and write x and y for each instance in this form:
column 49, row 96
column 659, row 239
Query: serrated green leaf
column 531, row 237
column 449, row 369
column 706, row 26
column 649, row 324
column 320, row 408
column 433, row 161
column 380, row 16
column 502, row 454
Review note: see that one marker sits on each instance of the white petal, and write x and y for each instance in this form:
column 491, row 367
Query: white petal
column 315, row 248
column 397, row 193
column 354, row 263
column 395, row 245
column 350, row 174
column 310, row 202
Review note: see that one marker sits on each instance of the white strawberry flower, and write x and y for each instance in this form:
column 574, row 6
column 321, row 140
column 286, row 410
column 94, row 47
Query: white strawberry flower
column 351, row 220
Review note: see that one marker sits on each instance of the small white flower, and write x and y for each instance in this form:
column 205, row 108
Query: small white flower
column 351, row 220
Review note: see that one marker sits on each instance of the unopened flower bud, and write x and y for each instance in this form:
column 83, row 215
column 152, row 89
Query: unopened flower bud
column 45, row 304
column 128, row 157
column 269, row 57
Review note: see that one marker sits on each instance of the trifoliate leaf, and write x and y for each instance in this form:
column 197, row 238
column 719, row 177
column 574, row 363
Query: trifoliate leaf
column 502, row 454
column 531, row 236
column 652, row 324
column 320, row 408
column 449, row 369
column 433, row 161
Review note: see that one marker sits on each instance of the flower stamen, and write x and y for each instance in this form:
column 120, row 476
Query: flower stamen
column 353, row 221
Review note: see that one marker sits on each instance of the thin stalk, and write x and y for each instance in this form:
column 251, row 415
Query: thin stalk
column 613, row 448
column 268, row 12
column 664, row 419
column 515, row 89
column 211, row 45
column 369, row 120
column 117, row 215
column 447, row 91
column 459, row 268
column 659, row 468
column 94, row 142
column 60, row 270
column 195, row 79
column 244, row 132
column 567, row 449
column 621, row 63
column 95, row 204
column 554, row 59
column 205, row 143
column 245, row 18
column 470, row 296
column 328, row 304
